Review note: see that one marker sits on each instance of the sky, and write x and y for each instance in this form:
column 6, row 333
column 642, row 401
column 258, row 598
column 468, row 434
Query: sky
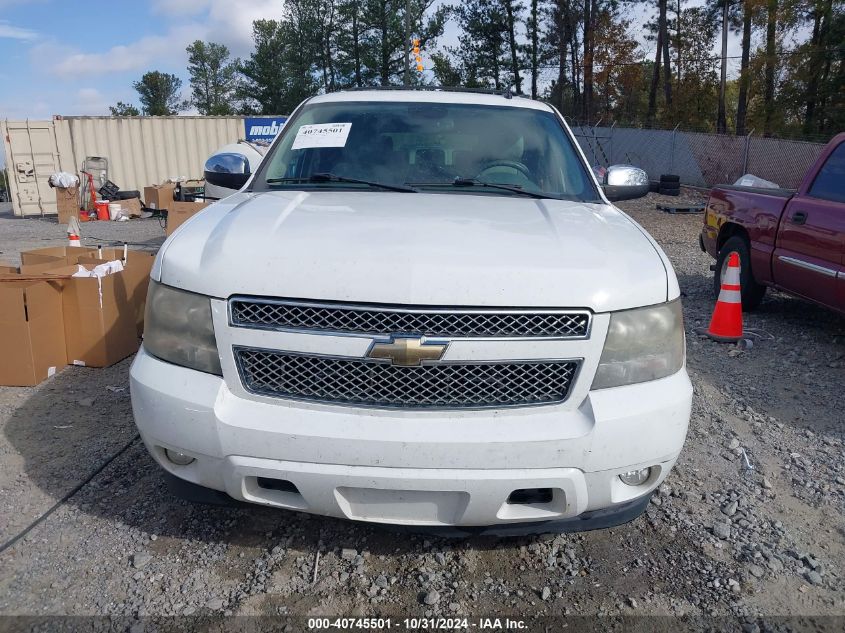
column 79, row 57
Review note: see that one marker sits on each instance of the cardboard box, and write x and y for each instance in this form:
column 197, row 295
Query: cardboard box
column 131, row 207
column 136, row 272
column 56, row 255
column 180, row 212
column 32, row 334
column 94, row 322
column 67, row 203
column 61, row 255
column 99, row 318
column 159, row 196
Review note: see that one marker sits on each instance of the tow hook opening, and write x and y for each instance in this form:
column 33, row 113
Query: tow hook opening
column 282, row 485
column 529, row 496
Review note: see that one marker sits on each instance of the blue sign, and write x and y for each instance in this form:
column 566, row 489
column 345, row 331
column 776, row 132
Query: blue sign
column 264, row 128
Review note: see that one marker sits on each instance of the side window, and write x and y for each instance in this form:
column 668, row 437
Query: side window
column 830, row 181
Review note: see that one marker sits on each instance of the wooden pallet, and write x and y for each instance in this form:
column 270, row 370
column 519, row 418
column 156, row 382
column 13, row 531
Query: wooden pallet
column 695, row 208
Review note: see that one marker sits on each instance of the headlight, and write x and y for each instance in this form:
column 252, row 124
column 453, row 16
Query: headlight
column 642, row 344
column 178, row 329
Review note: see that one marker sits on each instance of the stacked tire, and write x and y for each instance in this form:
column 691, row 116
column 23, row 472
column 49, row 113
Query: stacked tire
column 670, row 185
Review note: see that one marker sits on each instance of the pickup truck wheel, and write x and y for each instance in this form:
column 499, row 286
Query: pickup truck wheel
column 752, row 292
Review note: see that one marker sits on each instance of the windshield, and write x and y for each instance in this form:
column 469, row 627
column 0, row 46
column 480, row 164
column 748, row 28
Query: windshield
column 432, row 147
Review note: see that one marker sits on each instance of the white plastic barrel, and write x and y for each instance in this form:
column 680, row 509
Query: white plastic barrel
column 114, row 210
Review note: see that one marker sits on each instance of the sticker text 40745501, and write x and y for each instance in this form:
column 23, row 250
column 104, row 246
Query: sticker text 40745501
column 321, row 135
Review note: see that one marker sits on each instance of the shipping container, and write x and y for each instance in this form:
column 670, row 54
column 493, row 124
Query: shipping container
column 31, row 156
column 141, row 151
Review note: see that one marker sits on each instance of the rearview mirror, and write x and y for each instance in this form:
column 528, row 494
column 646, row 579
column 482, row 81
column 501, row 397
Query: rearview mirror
column 229, row 170
column 624, row 182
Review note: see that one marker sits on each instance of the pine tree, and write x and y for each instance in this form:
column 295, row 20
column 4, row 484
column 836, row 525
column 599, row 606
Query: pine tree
column 280, row 72
column 483, row 45
column 214, row 78
column 124, row 109
column 160, row 94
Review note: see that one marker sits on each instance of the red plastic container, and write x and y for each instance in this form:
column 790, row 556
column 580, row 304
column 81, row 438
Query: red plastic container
column 102, row 209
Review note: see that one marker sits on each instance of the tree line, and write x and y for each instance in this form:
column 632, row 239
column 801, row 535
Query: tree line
column 580, row 55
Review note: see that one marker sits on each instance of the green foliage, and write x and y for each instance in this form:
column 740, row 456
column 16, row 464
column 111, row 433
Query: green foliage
column 214, row 78
column 812, row 88
column 159, row 94
column 332, row 44
column 484, row 41
column 619, row 89
column 696, row 72
column 280, row 72
column 384, row 47
column 581, row 55
column 446, row 73
column 124, row 109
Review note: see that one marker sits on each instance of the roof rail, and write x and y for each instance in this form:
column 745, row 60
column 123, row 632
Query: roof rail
column 506, row 92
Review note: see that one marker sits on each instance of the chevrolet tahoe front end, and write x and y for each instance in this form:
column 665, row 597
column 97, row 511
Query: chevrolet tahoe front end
column 417, row 350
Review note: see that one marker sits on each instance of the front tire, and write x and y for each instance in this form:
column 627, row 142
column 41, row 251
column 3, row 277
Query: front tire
column 752, row 292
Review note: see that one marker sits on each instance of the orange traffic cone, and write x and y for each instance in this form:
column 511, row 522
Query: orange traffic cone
column 726, row 324
column 73, row 240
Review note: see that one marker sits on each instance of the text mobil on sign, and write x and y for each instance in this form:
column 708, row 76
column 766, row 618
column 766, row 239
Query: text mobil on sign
column 263, row 129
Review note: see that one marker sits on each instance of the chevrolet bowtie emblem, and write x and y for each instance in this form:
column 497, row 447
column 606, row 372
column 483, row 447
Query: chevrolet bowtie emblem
column 407, row 351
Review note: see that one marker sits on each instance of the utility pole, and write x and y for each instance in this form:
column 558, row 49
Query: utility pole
column 407, row 42
column 721, row 120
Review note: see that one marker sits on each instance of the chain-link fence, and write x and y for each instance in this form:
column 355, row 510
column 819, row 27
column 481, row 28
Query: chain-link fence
column 700, row 159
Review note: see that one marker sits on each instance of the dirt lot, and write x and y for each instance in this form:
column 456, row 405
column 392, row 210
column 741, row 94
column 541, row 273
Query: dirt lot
column 720, row 538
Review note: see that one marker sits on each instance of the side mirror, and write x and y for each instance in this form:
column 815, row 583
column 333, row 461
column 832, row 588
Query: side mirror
column 624, row 182
column 229, row 170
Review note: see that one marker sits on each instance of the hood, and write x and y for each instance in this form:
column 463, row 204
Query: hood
column 417, row 249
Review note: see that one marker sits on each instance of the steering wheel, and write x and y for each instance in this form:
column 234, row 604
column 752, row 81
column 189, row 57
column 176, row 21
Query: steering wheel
column 511, row 164
column 434, row 170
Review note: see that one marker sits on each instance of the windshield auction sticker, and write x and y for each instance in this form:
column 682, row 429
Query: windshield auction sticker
column 321, row 135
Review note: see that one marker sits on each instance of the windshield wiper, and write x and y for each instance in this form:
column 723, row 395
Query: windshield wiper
column 326, row 177
column 474, row 182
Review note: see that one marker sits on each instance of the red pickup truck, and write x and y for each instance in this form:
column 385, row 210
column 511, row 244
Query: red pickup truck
column 790, row 240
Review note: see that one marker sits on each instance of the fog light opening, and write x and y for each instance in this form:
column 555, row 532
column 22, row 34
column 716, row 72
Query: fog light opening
column 636, row 477
column 180, row 459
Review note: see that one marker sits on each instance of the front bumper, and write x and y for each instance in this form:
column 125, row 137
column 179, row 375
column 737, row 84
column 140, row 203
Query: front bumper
column 434, row 468
column 708, row 240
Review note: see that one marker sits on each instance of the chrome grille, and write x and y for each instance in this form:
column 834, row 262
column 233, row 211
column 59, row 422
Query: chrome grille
column 443, row 322
column 369, row 383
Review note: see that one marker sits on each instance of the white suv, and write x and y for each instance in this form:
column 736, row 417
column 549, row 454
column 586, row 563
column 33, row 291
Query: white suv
column 421, row 309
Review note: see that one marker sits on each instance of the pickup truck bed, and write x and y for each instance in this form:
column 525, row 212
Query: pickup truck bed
column 764, row 191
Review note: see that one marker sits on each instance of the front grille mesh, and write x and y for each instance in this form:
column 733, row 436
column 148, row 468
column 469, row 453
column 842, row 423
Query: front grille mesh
column 368, row 383
column 430, row 322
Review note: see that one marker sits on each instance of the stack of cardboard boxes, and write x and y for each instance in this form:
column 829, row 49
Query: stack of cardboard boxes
column 49, row 319
column 157, row 197
column 67, row 205
column 160, row 197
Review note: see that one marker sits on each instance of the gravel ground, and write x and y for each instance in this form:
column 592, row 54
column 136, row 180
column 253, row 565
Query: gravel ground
column 719, row 539
column 18, row 234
